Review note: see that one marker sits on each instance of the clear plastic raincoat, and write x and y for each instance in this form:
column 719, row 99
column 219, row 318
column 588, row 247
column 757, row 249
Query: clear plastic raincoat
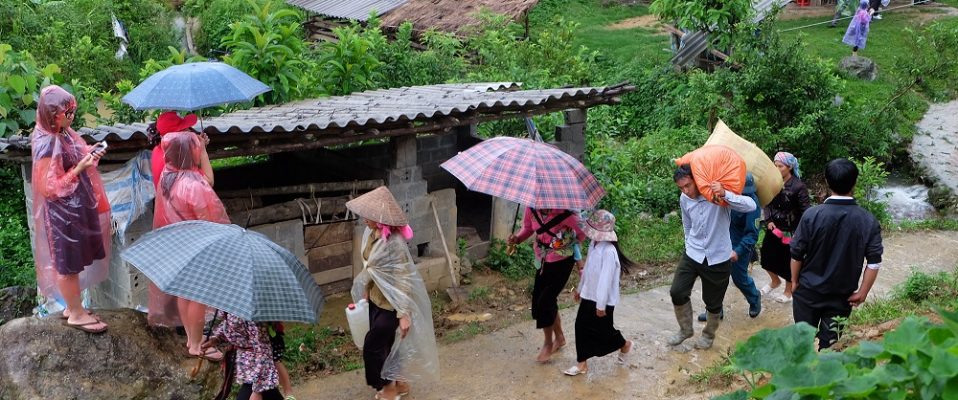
column 183, row 194
column 71, row 213
column 414, row 358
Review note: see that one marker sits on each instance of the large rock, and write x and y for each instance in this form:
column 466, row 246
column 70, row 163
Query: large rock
column 42, row 359
column 16, row 302
column 861, row 67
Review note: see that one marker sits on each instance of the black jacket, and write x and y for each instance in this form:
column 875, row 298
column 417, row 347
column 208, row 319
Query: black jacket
column 833, row 241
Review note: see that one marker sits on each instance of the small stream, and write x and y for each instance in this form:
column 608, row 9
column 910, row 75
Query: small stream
column 905, row 200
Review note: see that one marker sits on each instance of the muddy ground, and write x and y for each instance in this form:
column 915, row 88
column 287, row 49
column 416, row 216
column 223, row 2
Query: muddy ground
column 501, row 364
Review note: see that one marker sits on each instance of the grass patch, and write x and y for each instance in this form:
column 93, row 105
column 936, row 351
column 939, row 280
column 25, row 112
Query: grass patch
column 480, row 293
column 311, row 349
column 919, row 294
column 463, row 332
column 936, row 224
column 720, row 373
column 639, row 45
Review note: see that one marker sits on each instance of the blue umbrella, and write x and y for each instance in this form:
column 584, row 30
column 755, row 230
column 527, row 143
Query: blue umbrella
column 193, row 86
column 228, row 268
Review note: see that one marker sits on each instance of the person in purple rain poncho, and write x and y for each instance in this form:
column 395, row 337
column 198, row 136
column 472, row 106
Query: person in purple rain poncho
column 857, row 32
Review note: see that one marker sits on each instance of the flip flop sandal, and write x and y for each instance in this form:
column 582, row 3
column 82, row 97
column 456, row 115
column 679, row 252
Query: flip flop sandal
column 380, row 396
column 574, row 370
column 622, row 358
column 94, row 315
column 207, row 355
column 83, row 327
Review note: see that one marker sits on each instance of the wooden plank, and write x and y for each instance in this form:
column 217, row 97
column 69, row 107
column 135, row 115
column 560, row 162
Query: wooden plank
column 328, row 206
column 342, row 286
column 318, row 187
column 327, row 234
column 333, row 275
column 329, row 257
column 240, row 204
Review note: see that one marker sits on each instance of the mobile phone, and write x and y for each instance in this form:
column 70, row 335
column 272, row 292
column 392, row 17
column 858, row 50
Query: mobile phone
column 99, row 146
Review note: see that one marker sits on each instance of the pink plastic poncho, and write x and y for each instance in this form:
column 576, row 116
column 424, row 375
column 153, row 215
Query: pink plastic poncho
column 183, row 194
column 71, row 213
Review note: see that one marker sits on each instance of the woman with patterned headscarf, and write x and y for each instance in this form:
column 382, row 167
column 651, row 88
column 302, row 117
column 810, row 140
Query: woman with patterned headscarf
column 781, row 218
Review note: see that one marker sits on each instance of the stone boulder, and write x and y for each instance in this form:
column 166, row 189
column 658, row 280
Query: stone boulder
column 16, row 302
column 861, row 67
column 43, row 359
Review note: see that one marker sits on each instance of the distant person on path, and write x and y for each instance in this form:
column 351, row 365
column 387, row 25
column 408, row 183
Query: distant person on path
column 255, row 372
column 781, row 218
column 401, row 344
column 875, row 5
column 744, row 235
column 833, row 242
column 843, row 8
column 857, row 33
column 185, row 193
column 71, row 212
column 708, row 254
column 598, row 293
column 557, row 234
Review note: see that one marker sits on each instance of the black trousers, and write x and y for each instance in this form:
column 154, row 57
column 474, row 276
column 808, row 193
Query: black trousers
column 550, row 280
column 379, row 341
column 247, row 390
column 819, row 311
column 594, row 336
column 714, row 282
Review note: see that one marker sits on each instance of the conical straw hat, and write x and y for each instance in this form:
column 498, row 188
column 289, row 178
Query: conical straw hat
column 379, row 205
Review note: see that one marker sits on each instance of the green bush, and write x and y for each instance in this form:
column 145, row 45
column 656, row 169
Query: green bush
column 637, row 173
column 517, row 266
column 871, row 176
column 922, row 286
column 16, row 259
column 547, row 59
column 78, row 36
column 402, row 65
column 215, row 17
column 269, row 45
column 916, row 360
column 21, row 79
column 348, row 65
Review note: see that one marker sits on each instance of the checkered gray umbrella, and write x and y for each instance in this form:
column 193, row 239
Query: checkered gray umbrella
column 229, row 268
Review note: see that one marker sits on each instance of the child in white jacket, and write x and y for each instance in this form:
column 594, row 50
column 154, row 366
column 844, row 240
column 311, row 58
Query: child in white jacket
column 595, row 333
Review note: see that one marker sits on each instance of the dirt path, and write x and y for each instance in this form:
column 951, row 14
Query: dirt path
column 501, row 365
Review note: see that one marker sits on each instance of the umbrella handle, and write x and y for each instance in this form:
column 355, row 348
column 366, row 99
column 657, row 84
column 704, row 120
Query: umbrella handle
column 511, row 249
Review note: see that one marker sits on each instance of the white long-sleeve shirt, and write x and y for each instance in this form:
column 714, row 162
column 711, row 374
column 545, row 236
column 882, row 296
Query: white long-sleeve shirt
column 600, row 277
column 707, row 226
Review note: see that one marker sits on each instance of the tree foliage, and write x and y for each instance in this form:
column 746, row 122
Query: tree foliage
column 723, row 18
column 269, row 45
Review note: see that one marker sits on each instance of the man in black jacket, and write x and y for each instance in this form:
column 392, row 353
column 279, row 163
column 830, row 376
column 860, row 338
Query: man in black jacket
column 829, row 252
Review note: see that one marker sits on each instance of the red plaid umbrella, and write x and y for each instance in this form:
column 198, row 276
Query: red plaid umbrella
column 531, row 173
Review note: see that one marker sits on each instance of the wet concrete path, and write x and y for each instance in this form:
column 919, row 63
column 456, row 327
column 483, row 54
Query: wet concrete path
column 501, row 365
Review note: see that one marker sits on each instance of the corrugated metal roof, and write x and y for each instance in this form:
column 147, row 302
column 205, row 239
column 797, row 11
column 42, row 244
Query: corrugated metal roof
column 379, row 109
column 697, row 42
column 349, row 9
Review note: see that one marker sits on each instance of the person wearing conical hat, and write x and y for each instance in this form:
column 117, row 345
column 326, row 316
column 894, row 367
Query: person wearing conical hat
column 398, row 301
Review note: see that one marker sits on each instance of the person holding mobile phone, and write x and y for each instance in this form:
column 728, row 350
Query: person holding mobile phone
column 70, row 210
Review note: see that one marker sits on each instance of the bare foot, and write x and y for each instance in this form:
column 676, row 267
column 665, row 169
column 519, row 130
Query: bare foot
column 560, row 341
column 544, row 354
column 627, row 347
column 402, row 388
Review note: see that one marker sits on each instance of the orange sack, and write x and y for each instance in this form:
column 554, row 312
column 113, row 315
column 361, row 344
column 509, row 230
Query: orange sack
column 715, row 163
